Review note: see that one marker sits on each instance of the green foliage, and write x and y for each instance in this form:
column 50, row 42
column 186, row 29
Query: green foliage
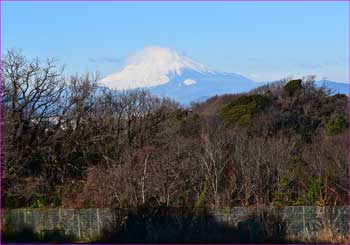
column 202, row 196
column 35, row 201
column 295, row 167
column 240, row 111
column 287, row 185
column 37, row 204
column 49, row 201
column 244, row 120
column 336, row 125
column 292, row 86
column 311, row 195
column 87, row 204
column 291, row 186
column 313, row 191
column 283, row 195
column 200, row 201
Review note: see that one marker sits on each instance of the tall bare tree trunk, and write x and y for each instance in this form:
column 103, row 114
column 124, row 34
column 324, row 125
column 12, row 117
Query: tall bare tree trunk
column 143, row 177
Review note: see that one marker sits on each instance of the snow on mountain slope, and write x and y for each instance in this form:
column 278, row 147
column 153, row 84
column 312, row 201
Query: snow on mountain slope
column 151, row 67
column 193, row 86
column 167, row 73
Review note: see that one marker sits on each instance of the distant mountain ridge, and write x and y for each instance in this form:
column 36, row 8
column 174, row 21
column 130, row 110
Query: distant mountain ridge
column 167, row 73
column 335, row 87
column 202, row 86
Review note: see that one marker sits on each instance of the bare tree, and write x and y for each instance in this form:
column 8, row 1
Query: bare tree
column 32, row 112
column 216, row 155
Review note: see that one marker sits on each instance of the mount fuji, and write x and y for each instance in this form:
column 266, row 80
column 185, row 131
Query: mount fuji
column 165, row 72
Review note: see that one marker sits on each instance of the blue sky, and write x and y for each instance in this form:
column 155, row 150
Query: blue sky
column 261, row 40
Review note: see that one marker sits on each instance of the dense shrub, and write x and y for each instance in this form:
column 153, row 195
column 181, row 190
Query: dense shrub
column 240, row 111
column 292, row 86
column 336, row 125
column 296, row 186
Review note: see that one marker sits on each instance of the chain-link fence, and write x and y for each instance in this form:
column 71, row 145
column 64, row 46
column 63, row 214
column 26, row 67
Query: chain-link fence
column 160, row 224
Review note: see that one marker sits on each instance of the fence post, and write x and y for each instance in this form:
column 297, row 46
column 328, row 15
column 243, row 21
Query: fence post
column 60, row 226
column 304, row 224
column 25, row 216
column 98, row 222
column 79, row 235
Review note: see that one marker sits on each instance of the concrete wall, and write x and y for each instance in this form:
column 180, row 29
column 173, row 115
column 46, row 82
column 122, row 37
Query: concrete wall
column 89, row 224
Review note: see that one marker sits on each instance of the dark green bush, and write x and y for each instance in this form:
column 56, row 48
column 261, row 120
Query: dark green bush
column 296, row 187
column 336, row 125
column 240, row 111
column 313, row 191
column 292, row 86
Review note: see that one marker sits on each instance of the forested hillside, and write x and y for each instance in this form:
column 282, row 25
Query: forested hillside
column 66, row 142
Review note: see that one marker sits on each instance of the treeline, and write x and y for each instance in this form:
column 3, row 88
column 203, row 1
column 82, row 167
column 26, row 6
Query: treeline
column 67, row 142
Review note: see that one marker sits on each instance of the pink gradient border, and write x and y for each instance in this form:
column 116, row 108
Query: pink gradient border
column 348, row 154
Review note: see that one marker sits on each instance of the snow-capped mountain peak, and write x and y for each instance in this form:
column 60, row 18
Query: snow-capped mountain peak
column 152, row 66
column 165, row 72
